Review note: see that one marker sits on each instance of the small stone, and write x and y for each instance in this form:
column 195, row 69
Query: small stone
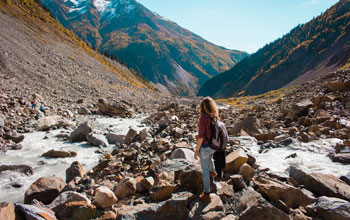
column 104, row 197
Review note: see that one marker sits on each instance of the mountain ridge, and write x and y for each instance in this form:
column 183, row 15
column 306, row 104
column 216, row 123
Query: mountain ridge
column 157, row 48
column 306, row 52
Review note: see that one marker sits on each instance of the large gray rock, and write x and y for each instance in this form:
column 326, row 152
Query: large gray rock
column 131, row 136
column 66, row 197
column 44, row 189
column 81, row 133
column 276, row 190
column 250, row 125
column 96, row 141
column 31, row 212
column 263, row 210
column 115, row 138
column 75, row 170
column 49, row 122
column 114, row 109
column 200, row 208
column 183, row 153
column 299, row 109
column 321, row 184
column 330, row 208
column 174, row 208
column 235, row 160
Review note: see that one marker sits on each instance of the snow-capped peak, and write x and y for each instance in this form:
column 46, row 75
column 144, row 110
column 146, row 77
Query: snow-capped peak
column 101, row 5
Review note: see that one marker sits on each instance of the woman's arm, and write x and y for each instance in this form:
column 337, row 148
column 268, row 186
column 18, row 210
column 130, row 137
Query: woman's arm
column 198, row 147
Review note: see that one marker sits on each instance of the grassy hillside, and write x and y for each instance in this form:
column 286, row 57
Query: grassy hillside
column 41, row 22
column 308, row 51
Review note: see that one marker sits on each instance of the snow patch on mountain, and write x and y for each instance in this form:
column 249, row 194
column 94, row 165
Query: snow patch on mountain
column 101, row 5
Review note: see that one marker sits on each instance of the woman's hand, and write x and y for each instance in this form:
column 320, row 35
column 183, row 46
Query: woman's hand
column 196, row 155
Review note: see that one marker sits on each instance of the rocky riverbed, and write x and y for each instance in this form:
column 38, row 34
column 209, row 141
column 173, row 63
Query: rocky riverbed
column 285, row 160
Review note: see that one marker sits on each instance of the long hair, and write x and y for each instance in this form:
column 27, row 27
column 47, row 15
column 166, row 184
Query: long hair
column 208, row 107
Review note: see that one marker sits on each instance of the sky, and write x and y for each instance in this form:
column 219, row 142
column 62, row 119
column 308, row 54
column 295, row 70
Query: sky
column 245, row 25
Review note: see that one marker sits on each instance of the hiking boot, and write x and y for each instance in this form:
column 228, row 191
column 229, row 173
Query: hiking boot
column 212, row 174
column 205, row 197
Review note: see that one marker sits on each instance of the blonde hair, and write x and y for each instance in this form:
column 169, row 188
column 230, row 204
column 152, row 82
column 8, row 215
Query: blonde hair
column 208, row 107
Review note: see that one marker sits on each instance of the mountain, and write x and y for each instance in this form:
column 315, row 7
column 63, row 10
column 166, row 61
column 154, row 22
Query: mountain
column 307, row 52
column 39, row 55
column 164, row 53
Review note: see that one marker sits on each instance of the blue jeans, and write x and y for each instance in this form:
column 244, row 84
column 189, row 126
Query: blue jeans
column 206, row 158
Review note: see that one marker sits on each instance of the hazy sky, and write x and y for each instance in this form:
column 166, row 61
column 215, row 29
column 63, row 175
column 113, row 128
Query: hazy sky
column 239, row 24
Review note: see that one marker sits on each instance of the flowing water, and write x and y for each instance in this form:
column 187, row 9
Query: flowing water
column 310, row 157
column 37, row 143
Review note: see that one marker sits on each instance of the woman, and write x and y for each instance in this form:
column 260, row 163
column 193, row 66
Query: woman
column 208, row 111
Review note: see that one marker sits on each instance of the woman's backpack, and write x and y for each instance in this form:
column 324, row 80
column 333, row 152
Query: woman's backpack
column 218, row 140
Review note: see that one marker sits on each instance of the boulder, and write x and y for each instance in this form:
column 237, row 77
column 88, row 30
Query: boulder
column 78, row 210
column 213, row 216
column 81, row 133
column 320, row 100
column 299, row 109
column 199, row 208
column 276, row 190
column 49, row 122
column 183, row 153
column 238, row 182
column 174, row 208
column 247, row 172
column 34, row 212
column 251, row 125
column 59, row 154
column 125, row 187
column 223, row 189
column 337, row 86
column 321, row 184
column 330, row 208
column 131, row 136
column 263, row 210
column 147, row 183
column 244, row 199
column 115, row 138
column 83, row 111
column 341, row 158
column 20, row 168
column 235, row 160
column 70, row 196
column 44, row 189
column 191, row 176
column 75, row 170
column 115, row 109
column 160, row 193
column 163, row 123
column 266, row 136
column 7, row 211
column 104, row 197
column 17, row 139
column 93, row 140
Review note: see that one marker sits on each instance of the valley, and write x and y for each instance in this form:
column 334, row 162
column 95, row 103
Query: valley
column 109, row 145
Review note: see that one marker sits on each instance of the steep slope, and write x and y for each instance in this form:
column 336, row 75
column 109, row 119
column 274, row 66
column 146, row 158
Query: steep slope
column 308, row 51
column 160, row 50
column 38, row 55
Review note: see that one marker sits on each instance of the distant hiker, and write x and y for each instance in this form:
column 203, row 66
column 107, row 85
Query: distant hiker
column 33, row 102
column 42, row 109
column 208, row 111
